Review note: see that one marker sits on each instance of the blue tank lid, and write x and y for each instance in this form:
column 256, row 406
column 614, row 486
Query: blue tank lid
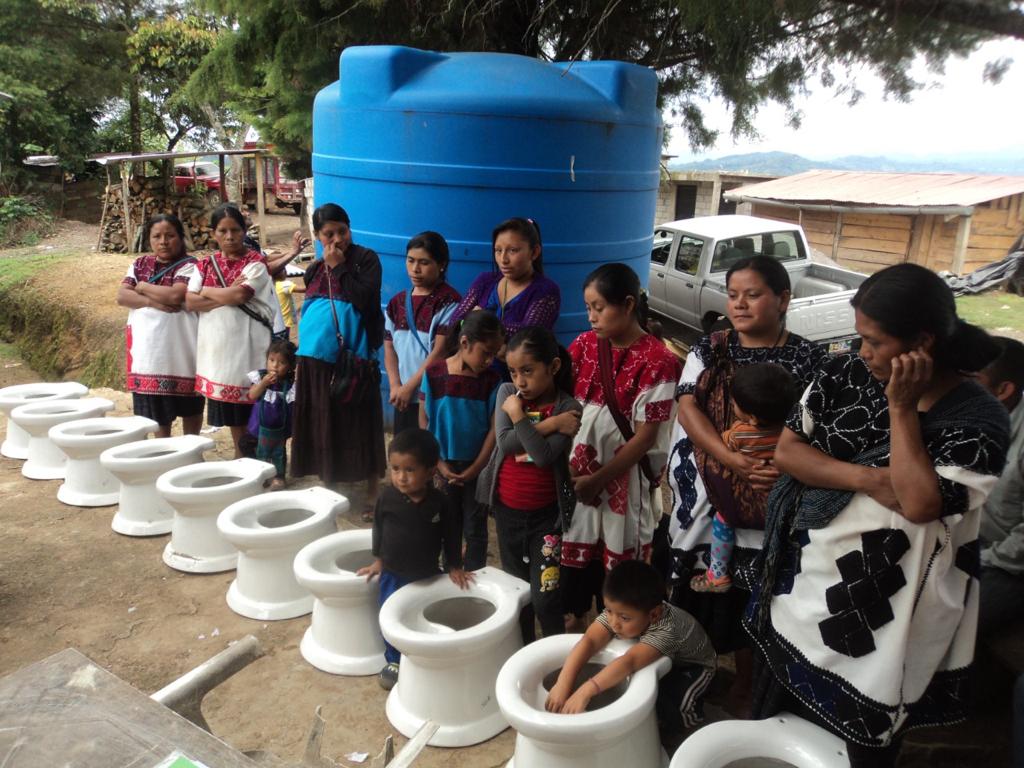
column 391, row 77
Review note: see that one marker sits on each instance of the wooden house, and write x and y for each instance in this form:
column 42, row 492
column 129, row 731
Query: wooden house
column 867, row 221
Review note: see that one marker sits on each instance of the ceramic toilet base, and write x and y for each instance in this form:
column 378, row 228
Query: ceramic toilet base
column 264, row 611
column 530, row 754
column 462, row 735
column 87, row 484
column 128, row 527
column 35, row 472
column 46, row 461
column 337, row 664
column 189, row 564
column 16, row 445
column 142, row 512
column 79, row 499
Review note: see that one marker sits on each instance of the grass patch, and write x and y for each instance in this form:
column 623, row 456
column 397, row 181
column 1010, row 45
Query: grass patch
column 994, row 311
column 23, row 264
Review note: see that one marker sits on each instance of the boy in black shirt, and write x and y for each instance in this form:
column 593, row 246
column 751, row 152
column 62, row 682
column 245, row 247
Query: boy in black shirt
column 412, row 524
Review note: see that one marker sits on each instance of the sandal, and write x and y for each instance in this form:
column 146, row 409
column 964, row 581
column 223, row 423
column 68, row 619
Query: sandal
column 705, row 582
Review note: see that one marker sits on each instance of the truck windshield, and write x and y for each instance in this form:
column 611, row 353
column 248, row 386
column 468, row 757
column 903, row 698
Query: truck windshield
column 782, row 246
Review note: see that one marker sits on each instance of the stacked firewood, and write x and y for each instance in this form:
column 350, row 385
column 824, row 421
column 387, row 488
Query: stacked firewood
column 146, row 198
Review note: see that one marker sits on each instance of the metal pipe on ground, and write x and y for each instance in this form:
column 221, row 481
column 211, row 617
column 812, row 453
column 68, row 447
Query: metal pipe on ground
column 185, row 695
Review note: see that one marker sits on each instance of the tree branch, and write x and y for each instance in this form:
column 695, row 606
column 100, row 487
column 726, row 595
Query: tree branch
column 994, row 17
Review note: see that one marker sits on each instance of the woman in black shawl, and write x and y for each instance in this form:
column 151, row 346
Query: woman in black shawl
column 865, row 608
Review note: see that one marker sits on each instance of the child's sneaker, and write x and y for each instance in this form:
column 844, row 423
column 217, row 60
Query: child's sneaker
column 705, row 582
column 388, row 676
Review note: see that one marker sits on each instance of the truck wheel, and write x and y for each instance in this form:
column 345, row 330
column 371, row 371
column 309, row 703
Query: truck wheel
column 297, row 207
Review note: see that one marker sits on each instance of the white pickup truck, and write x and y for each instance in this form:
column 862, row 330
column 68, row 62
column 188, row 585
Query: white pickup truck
column 691, row 257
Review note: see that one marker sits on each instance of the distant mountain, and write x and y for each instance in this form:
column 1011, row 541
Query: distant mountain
column 786, row 164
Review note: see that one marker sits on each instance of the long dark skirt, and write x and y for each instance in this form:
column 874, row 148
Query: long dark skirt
column 223, row 414
column 164, row 409
column 339, row 442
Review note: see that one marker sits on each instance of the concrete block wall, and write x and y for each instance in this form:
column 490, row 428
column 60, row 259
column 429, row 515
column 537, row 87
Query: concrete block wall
column 664, row 209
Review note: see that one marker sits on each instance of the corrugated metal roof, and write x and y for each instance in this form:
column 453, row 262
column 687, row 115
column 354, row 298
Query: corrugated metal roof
column 145, row 156
column 884, row 189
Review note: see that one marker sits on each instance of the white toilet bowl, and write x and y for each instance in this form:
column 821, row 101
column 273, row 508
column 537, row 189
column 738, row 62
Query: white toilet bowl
column 784, row 737
column 618, row 729
column 344, row 638
column 45, row 461
column 198, row 494
column 141, row 510
column 86, row 482
column 453, row 642
column 268, row 531
column 15, row 444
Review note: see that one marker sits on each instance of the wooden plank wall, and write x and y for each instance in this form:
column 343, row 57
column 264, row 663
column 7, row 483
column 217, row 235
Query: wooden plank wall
column 869, row 242
column 994, row 228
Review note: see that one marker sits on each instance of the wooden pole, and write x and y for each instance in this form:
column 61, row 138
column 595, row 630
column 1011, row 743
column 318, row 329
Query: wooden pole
column 129, row 229
column 261, row 204
column 963, row 234
column 835, row 236
column 223, row 179
column 103, row 215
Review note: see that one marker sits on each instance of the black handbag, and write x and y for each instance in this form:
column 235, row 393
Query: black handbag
column 353, row 376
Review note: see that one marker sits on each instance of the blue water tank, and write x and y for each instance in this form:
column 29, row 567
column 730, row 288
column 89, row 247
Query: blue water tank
column 409, row 140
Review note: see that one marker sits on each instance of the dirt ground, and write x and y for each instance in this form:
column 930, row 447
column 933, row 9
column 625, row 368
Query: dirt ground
column 67, row 580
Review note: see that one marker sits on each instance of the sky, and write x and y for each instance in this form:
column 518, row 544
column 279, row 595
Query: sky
column 957, row 113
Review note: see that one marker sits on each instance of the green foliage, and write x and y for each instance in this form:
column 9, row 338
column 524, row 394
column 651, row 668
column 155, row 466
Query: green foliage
column 23, row 221
column 59, row 62
column 277, row 55
column 163, row 54
column 90, row 76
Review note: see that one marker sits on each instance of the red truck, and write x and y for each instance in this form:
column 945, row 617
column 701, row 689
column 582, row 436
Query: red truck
column 200, row 173
column 279, row 191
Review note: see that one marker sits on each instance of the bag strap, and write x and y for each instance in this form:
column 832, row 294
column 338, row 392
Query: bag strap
column 246, row 309
column 604, row 364
column 410, row 316
column 155, row 278
column 334, row 310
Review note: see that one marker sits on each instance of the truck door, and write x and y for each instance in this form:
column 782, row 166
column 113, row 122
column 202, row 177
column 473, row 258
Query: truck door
column 682, row 287
column 660, row 253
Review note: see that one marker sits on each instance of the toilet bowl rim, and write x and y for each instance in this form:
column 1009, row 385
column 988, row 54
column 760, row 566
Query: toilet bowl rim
column 354, row 540
column 506, row 611
column 26, row 415
column 114, row 457
column 771, row 740
column 167, row 483
column 320, row 508
column 123, row 424
column 12, row 396
column 623, row 714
